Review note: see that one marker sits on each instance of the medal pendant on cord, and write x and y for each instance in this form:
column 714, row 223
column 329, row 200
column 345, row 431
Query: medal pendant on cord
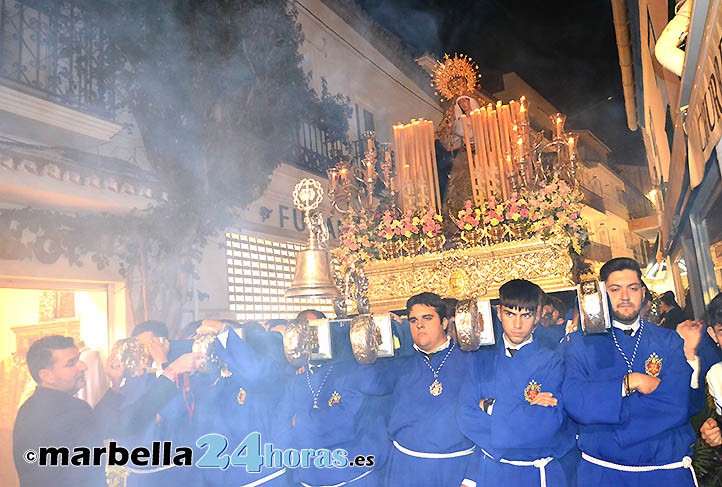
column 436, row 388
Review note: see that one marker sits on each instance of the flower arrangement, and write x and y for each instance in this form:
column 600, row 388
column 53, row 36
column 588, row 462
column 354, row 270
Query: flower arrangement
column 410, row 225
column 357, row 238
column 428, row 222
column 558, row 212
column 493, row 212
column 516, row 210
column 551, row 212
column 388, row 228
column 469, row 217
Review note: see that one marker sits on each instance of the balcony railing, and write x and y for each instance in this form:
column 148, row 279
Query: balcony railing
column 637, row 203
column 590, row 198
column 598, row 252
column 315, row 150
column 48, row 48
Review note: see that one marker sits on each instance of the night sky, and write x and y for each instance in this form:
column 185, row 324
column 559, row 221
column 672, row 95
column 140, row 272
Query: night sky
column 565, row 49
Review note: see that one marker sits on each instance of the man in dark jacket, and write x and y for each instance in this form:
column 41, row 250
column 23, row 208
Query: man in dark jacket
column 53, row 417
column 672, row 314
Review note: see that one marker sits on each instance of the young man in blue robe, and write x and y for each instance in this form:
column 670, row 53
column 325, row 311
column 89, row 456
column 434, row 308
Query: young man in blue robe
column 629, row 392
column 239, row 401
column 328, row 407
column 428, row 449
column 510, row 405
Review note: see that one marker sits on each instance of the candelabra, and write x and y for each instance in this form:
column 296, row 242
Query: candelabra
column 352, row 182
column 540, row 160
column 563, row 146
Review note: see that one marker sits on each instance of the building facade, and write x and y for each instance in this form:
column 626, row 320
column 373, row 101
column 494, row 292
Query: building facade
column 670, row 59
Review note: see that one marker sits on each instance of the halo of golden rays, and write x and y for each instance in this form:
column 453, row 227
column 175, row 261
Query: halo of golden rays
column 456, row 76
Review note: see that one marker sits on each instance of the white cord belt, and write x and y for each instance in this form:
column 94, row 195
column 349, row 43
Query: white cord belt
column 420, row 454
column 265, row 479
column 342, row 483
column 255, row 483
column 686, row 462
column 144, row 471
column 539, row 463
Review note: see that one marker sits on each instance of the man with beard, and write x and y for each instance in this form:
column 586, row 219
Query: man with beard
column 628, row 390
column 53, row 417
column 552, row 322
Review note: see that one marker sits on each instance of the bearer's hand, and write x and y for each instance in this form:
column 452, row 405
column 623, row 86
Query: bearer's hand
column 711, row 433
column 643, row 383
column 158, row 349
column 571, row 327
column 114, row 370
column 210, row 327
column 187, row 363
column 691, row 333
column 544, row 399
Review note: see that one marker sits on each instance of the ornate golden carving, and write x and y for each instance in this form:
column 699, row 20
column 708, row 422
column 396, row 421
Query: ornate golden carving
column 474, row 272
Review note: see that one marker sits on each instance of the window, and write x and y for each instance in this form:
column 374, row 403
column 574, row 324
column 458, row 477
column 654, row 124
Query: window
column 369, row 121
column 259, row 272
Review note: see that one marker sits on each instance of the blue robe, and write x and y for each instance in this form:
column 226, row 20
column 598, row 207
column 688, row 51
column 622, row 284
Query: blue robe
column 422, row 422
column 551, row 336
column 709, row 354
column 515, row 429
column 639, row 430
column 346, row 419
column 242, row 403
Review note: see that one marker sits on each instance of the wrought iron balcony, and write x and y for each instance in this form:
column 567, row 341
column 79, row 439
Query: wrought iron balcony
column 598, row 252
column 590, row 198
column 48, row 49
column 315, row 150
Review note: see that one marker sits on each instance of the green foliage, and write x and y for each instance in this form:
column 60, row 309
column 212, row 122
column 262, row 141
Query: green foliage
column 707, row 460
column 217, row 90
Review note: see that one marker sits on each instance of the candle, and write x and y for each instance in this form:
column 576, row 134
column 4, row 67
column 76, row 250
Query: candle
column 332, row 179
column 558, row 121
column 432, row 158
column 482, row 153
column 572, row 144
column 370, row 169
column 344, row 174
column 370, row 141
column 523, row 110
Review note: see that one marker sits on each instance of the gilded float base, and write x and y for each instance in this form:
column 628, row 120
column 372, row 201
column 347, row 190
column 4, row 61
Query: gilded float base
column 472, row 272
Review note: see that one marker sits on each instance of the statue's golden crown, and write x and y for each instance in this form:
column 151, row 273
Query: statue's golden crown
column 455, row 76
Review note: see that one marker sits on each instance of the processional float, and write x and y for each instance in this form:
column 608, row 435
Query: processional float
column 520, row 220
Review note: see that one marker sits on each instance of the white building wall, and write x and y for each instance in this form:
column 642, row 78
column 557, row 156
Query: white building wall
column 353, row 67
column 658, row 89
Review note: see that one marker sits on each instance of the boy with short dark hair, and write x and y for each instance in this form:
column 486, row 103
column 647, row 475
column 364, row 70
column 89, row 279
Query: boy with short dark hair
column 510, row 404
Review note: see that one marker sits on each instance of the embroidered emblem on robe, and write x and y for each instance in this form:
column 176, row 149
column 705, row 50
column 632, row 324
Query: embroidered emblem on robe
column 653, row 365
column 241, row 397
column 335, row 398
column 532, row 390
